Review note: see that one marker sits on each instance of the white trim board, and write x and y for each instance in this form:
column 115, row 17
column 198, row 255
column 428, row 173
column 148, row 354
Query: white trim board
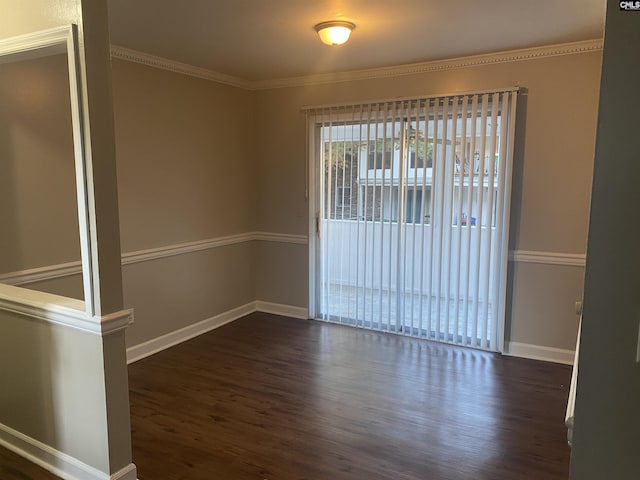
column 63, row 311
column 33, row 275
column 182, row 248
column 51, row 272
column 142, row 58
column 539, row 352
column 507, row 56
column 143, row 350
column 56, row 462
column 148, row 348
column 548, row 258
column 281, row 237
column 281, row 309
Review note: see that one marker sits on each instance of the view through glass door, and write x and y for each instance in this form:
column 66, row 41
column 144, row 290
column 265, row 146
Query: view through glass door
column 412, row 208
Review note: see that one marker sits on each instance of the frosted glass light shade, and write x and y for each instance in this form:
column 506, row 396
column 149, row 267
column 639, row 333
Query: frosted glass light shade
column 334, row 33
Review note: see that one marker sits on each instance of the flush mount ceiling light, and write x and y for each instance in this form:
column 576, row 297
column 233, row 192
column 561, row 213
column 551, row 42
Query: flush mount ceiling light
column 334, row 32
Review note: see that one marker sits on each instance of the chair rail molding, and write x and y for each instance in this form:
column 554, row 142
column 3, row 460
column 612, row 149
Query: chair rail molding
column 50, row 272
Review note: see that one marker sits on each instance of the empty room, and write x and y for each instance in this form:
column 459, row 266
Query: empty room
column 318, row 240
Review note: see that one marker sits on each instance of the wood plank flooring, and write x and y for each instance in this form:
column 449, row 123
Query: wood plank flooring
column 272, row 398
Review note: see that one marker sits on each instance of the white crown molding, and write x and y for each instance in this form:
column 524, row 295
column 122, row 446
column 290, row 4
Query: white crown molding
column 135, row 56
column 435, row 65
column 548, row 258
column 55, row 461
column 507, row 56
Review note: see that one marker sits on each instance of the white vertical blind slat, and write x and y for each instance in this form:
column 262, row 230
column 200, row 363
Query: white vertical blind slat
column 383, row 194
column 488, row 257
column 423, row 214
column 400, row 127
column 480, row 222
column 467, row 304
column 327, row 214
column 365, row 268
column 372, row 135
column 458, row 265
column 433, row 332
column 441, row 179
column 415, row 119
column 358, row 150
column 449, row 231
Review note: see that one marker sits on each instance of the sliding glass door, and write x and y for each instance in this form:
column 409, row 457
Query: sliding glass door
column 411, row 205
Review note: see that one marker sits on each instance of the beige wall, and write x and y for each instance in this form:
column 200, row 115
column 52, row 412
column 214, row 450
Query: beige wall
column 38, row 204
column 282, row 273
column 541, row 304
column 552, row 209
column 552, row 178
column 174, row 292
column 52, row 387
column 184, row 162
column 184, row 174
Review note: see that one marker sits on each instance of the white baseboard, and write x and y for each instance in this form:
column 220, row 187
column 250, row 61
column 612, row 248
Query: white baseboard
column 142, row 350
column 61, row 464
column 130, row 472
column 281, row 309
column 539, row 352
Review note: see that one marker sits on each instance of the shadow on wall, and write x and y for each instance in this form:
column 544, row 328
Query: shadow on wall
column 9, row 241
column 516, row 202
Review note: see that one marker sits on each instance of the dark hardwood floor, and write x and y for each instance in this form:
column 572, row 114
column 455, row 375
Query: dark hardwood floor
column 273, row 398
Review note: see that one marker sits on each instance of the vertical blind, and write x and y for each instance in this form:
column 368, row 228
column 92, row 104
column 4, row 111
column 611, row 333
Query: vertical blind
column 412, row 215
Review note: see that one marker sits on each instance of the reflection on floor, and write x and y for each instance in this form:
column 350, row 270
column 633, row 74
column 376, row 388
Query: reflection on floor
column 421, row 314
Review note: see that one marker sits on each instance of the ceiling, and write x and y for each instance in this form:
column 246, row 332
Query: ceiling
column 259, row 40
